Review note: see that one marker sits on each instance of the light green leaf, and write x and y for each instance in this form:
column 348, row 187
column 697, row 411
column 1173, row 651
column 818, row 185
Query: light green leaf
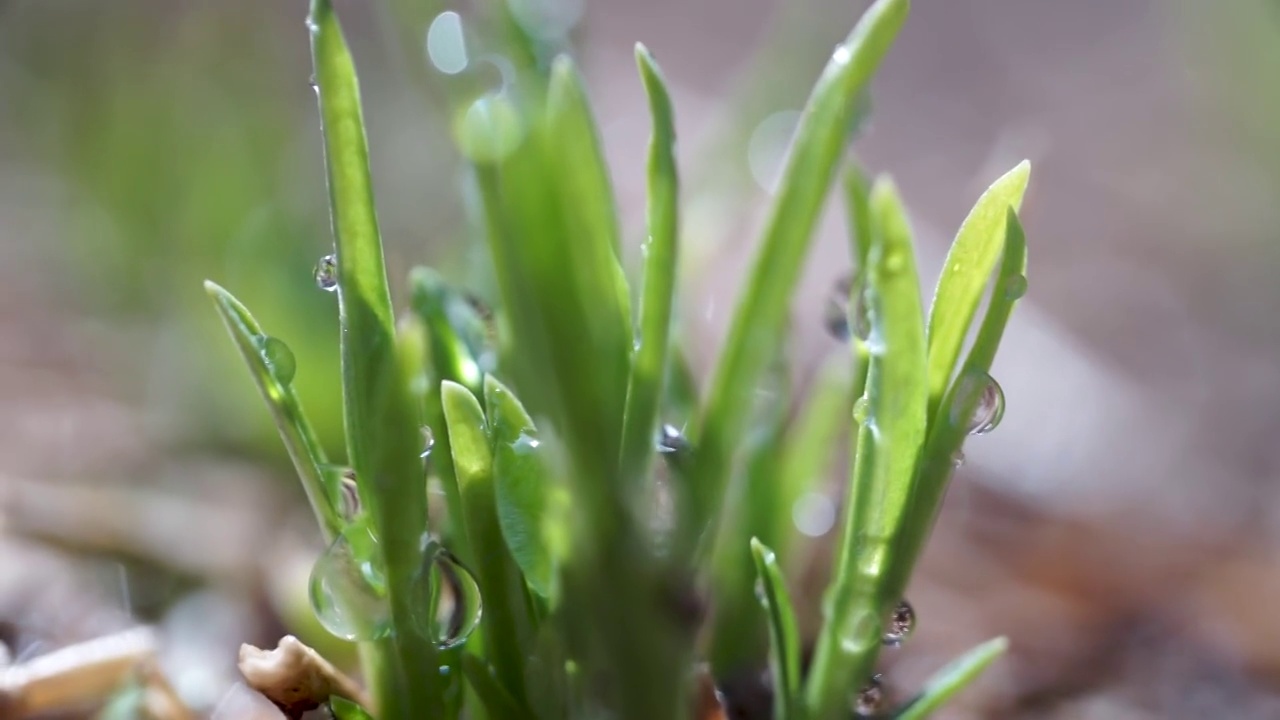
column 949, row 426
column 323, row 489
column 784, row 636
column 521, row 485
column 952, row 679
column 506, row 626
column 383, row 441
column 970, row 261
column 759, row 318
column 649, row 360
column 344, row 709
column 889, row 445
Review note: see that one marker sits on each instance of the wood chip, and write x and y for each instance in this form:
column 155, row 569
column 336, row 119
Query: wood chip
column 295, row 677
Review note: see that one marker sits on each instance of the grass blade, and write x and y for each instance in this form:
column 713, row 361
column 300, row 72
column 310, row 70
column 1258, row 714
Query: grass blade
column 505, row 625
column 520, row 484
column 889, row 445
column 759, row 318
column 784, row 636
column 964, row 277
column 322, row 489
column 383, row 442
column 948, row 429
column 649, row 361
column 953, row 678
column 344, row 709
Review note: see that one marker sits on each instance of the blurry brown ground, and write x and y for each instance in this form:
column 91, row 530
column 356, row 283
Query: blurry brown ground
column 1122, row 526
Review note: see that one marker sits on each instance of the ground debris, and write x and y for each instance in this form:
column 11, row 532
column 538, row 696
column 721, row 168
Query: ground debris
column 295, row 677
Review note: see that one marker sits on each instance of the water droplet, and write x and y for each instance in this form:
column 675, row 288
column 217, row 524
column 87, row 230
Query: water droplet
column 428, row 441
column 981, row 392
column 279, row 359
column 446, row 43
column 761, row 594
column 870, row 697
column 860, row 410
column 842, row 320
column 349, row 497
column 900, row 624
column 671, row 440
column 957, row 459
column 813, row 514
column 894, row 262
column 342, row 590
column 1015, row 286
column 447, row 597
column 327, row 273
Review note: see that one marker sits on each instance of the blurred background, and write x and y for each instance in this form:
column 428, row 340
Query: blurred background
column 1122, row 526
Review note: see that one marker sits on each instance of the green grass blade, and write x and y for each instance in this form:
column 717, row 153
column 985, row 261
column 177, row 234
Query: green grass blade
column 497, row 702
column 323, row 490
column 759, row 318
column 344, row 709
column 784, row 636
column 383, row 442
column 857, row 206
column 964, row 277
column 948, row 429
column 889, row 446
column 649, row 361
column 521, row 485
column 953, row 678
column 504, row 623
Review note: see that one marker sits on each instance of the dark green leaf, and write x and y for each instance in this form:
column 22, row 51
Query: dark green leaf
column 496, row 700
column 344, row 709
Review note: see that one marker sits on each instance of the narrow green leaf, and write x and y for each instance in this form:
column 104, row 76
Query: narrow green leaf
column 949, row 426
column 964, row 277
column 383, row 442
column 856, row 194
column 323, row 489
column 953, row 678
column 344, row 709
column 889, row 445
column 505, row 625
column 784, row 636
column 649, row 360
column 521, row 485
column 758, row 320
column 496, row 700
column 455, row 329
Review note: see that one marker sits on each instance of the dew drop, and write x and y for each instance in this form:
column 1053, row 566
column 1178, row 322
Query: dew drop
column 842, row 320
column 348, row 492
column 860, row 410
column 813, row 514
column 894, row 262
column 900, row 624
column 870, row 697
column 671, row 440
column 343, row 588
column 957, row 459
column 1015, row 286
column 279, row 359
column 981, row 392
column 327, row 273
column 446, row 597
column 428, row 441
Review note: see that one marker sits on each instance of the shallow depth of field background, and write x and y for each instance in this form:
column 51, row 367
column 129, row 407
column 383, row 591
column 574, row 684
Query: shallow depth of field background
column 1122, row 525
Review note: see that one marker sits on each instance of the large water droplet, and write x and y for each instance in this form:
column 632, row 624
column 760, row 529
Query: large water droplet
column 842, row 320
column 981, row 392
column 813, row 514
column 343, row 592
column 447, row 597
column 1015, row 286
column 428, row 441
column 860, row 410
column 327, row 273
column 870, row 697
column 671, row 440
column 901, row 621
column 279, row 359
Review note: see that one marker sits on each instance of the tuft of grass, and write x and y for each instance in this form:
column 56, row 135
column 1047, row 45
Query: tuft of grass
column 545, row 414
